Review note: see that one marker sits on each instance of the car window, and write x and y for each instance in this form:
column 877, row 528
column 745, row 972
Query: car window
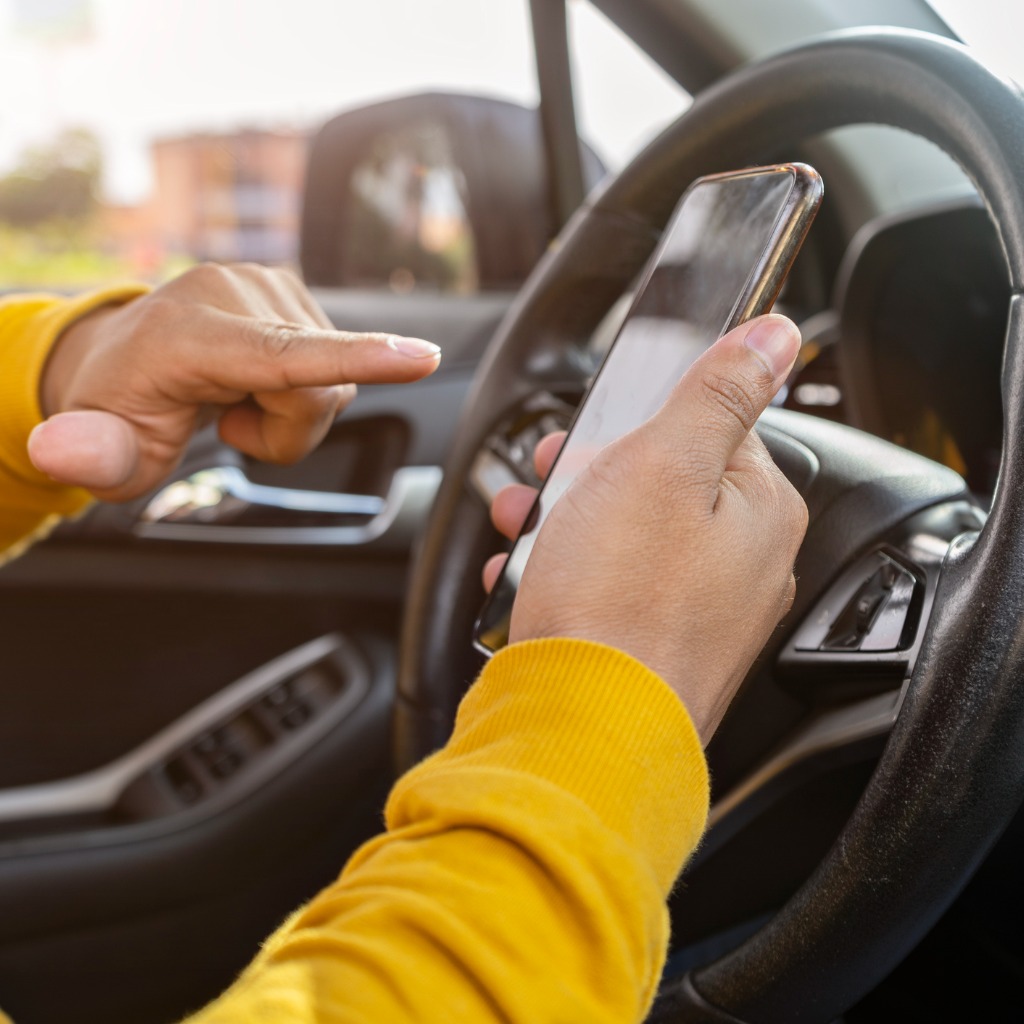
column 623, row 98
column 139, row 138
column 145, row 137
column 992, row 28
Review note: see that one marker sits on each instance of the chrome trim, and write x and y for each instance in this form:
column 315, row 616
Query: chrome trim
column 220, row 494
column 412, row 492
column 97, row 791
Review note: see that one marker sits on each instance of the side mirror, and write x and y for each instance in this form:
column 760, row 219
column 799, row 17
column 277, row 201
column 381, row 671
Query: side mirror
column 437, row 191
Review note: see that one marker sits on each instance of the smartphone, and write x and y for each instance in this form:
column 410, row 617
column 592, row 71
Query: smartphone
column 722, row 259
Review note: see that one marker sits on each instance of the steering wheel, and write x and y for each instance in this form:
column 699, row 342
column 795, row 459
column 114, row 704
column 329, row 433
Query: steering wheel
column 951, row 775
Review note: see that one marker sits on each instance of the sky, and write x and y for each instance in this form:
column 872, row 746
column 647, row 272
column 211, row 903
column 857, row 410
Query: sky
column 148, row 68
column 994, row 27
column 159, row 67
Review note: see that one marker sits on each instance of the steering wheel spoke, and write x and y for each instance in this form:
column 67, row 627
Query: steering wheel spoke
column 506, row 454
column 863, row 634
column 853, row 685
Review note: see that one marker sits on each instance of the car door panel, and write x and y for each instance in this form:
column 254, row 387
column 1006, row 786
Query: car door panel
column 147, row 920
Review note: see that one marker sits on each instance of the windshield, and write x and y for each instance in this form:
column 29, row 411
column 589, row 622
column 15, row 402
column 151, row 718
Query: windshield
column 993, row 27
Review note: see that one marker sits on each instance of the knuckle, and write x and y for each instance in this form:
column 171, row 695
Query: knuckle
column 792, row 506
column 321, row 405
column 607, row 469
column 731, row 396
column 288, row 443
column 344, row 396
column 786, row 500
column 276, row 340
column 286, row 275
column 208, row 275
column 781, row 510
column 256, row 275
column 798, row 511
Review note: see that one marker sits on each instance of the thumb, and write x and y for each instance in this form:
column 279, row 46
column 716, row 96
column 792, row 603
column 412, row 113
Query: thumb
column 716, row 404
column 94, row 450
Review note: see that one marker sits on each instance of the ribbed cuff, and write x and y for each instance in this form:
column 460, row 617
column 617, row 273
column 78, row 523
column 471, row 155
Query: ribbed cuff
column 29, row 327
column 600, row 725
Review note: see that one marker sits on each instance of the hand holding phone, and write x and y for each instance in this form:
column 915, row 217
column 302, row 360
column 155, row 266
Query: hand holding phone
column 722, row 260
column 676, row 544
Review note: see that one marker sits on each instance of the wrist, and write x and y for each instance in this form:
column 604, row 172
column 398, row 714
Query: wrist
column 70, row 350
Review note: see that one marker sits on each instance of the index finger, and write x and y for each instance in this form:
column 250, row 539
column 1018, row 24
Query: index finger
column 247, row 355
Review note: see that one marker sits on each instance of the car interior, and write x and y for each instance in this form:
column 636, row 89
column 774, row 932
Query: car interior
column 208, row 692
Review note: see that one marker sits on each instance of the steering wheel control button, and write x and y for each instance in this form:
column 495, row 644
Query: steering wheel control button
column 490, row 473
column 888, row 627
column 861, row 636
column 506, row 456
column 868, row 604
column 875, row 616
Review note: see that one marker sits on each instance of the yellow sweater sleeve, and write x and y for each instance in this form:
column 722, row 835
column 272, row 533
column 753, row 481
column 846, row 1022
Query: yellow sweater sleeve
column 524, row 869
column 30, row 502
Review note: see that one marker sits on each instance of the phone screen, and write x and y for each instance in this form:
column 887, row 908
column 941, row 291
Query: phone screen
column 721, row 260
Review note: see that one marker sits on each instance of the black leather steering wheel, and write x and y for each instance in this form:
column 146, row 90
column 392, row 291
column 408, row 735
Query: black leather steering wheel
column 951, row 775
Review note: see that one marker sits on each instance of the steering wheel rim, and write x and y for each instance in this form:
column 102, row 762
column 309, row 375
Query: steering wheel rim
column 952, row 773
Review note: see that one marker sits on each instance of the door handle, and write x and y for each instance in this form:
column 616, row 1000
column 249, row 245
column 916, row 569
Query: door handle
column 222, row 506
column 224, row 495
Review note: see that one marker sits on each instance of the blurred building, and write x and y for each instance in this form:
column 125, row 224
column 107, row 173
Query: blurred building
column 129, row 234
column 229, row 197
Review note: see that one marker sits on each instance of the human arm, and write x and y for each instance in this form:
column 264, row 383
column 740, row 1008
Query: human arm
column 513, row 883
column 525, row 867
column 104, row 391
column 30, row 501
column 702, row 554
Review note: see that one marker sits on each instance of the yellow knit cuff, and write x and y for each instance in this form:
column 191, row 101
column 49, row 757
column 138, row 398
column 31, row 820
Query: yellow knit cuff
column 29, row 326
column 597, row 723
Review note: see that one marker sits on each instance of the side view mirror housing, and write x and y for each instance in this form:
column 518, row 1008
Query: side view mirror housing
column 433, row 191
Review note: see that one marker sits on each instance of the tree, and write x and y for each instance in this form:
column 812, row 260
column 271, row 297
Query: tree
column 55, row 181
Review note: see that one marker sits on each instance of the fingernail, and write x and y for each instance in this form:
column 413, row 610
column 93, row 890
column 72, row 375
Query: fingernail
column 776, row 341
column 415, row 348
column 35, row 438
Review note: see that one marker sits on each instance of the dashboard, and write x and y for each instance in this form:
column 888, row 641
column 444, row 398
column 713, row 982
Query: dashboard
column 913, row 351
